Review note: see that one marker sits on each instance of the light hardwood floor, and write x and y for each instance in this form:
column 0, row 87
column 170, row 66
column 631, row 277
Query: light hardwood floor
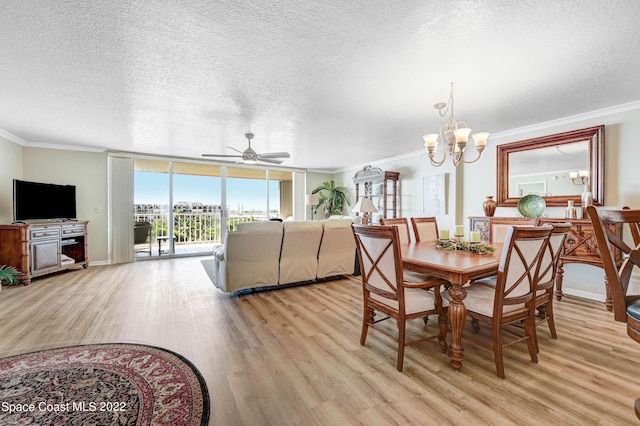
column 292, row 356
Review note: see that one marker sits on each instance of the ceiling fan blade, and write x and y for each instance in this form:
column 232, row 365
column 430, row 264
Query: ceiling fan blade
column 269, row 160
column 221, row 155
column 274, row 155
column 236, row 150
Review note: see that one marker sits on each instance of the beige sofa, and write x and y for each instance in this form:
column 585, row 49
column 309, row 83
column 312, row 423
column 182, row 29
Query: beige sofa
column 261, row 254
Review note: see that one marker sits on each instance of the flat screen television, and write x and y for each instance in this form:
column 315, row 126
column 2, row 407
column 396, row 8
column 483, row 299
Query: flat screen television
column 36, row 200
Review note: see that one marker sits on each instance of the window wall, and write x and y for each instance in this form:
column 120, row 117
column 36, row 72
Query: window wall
column 197, row 204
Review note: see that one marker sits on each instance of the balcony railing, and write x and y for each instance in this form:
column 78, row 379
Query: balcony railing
column 194, row 228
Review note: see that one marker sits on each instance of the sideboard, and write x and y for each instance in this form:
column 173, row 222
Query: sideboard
column 580, row 246
column 43, row 248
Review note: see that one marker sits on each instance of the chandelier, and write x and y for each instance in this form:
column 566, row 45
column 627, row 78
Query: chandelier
column 456, row 134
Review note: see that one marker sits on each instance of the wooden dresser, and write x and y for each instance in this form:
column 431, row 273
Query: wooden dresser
column 43, row 248
column 580, row 246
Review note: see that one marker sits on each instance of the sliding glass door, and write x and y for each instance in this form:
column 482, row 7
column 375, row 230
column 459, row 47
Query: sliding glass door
column 206, row 201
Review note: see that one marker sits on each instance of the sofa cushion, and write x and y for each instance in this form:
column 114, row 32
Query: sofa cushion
column 299, row 254
column 251, row 256
column 337, row 254
column 266, row 226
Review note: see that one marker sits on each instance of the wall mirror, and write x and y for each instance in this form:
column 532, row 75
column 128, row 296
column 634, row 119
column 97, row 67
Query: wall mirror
column 558, row 167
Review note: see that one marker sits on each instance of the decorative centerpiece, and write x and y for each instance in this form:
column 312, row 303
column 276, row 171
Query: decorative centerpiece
column 459, row 245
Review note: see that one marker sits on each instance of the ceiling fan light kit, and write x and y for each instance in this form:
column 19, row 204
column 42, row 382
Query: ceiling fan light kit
column 249, row 156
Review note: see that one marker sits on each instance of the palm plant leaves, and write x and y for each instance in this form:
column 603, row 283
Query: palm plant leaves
column 332, row 198
column 9, row 274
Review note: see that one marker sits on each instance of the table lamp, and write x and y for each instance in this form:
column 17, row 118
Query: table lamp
column 313, row 200
column 364, row 206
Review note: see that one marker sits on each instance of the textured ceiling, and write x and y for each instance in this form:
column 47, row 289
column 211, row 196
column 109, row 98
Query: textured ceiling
column 335, row 83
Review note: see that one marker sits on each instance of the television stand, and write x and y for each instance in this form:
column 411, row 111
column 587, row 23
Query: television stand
column 38, row 249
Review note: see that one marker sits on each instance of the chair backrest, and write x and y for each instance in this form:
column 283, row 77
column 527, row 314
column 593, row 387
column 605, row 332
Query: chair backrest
column 425, row 228
column 403, row 228
column 500, row 225
column 380, row 261
column 618, row 277
column 141, row 232
column 519, row 265
column 551, row 255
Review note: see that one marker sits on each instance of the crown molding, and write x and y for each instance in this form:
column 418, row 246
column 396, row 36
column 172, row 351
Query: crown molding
column 63, row 147
column 591, row 115
column 11, row 137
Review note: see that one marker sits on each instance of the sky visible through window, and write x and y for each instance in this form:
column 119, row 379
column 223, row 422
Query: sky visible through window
column 244, row 194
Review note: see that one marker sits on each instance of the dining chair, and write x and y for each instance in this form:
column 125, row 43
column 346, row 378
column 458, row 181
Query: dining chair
column 425, row 228
column 546, row 279
column 626, row 301
column 403, row 228
column 513, row 297
column 385, row 290
column 547, row 276
column 499, row 225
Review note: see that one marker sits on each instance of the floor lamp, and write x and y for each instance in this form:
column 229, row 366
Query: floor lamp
column 313, row 200
column 364, row 206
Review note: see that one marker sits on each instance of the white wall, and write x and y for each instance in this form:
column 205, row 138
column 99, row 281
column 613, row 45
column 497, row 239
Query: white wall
column 88, row 172
column 11, row 167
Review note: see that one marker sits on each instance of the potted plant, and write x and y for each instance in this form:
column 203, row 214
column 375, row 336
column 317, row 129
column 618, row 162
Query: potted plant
column 332, row 198
column 9, row 275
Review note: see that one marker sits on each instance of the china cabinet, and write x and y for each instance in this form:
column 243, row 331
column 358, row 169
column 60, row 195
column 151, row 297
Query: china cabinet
column 382, row 187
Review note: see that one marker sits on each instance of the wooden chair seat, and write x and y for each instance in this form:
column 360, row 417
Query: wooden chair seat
column 633, row 320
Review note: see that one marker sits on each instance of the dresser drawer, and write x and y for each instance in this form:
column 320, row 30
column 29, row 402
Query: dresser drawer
column 69, row 231
column 45, row 232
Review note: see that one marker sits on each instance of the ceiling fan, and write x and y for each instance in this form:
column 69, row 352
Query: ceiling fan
column 249, row 156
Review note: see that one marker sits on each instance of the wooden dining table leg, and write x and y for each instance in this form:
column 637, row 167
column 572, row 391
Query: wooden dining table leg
column 457, row 317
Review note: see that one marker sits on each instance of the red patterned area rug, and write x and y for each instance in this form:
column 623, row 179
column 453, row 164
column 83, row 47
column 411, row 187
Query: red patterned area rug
column 103, row 384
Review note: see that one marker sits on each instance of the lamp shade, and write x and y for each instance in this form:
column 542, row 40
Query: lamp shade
column 312, row 200
column 364, row 205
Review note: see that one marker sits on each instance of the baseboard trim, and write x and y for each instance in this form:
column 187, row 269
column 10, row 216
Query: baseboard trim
column 584, row 294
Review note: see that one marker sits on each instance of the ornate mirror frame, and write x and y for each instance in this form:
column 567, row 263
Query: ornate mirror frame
column 593, row 135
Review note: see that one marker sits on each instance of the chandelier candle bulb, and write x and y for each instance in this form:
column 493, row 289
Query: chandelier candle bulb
column 430, row 141
column 444, row 234
column 474, row 236
column 459, row 231
column 462, row 135
column 480, row 139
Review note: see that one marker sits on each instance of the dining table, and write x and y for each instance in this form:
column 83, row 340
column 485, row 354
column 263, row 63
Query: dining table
column 459, row 268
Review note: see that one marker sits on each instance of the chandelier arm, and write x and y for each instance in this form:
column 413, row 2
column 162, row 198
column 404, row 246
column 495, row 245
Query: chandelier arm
column 444, row 153
column 437, row 163
column 474, row 160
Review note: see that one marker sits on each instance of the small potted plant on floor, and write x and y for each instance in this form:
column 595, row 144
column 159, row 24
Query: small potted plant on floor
column 9, row 275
